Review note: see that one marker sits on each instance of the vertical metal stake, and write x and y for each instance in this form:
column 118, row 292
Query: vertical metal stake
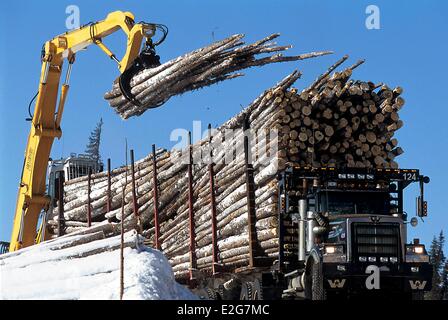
column 156, row 199
column 123, row 196
column 250, row 195
column 213, row 205
column 134, row 194
column 191, row 212
column 109, row 193
column 61, row 221
column 89, row 205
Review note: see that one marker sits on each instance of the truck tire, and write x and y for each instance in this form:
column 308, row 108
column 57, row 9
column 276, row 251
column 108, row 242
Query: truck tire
column 419, row 295
column 251, row 290
column 211, row 294
column 314, row 286
column 257, row 293
column 221, row 293
column 246, row 291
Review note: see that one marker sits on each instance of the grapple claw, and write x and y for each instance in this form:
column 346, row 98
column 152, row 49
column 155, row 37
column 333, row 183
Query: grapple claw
column 147, row 59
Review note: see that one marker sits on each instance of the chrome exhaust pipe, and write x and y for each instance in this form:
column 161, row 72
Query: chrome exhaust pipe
column 311, row 223
column 302, row 236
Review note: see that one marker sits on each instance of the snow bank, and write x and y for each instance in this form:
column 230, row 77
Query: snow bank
column 43, row 272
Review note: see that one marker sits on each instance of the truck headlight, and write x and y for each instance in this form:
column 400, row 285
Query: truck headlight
column 419, row 250
column 415, row 249
column 334, row 249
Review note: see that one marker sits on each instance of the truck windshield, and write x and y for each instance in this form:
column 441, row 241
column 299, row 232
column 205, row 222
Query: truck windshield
column 337, row 202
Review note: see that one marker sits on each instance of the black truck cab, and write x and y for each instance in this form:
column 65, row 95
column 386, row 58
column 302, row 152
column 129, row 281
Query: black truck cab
column 344, row 231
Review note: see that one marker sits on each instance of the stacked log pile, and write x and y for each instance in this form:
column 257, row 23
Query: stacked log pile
column 200, row 68
column 334, row 122
column 342, row 122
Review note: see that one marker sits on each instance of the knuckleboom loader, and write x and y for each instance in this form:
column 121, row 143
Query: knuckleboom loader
column 32, row 199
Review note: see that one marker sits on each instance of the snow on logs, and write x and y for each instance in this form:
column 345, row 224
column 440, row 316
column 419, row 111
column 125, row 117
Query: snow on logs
column 336, row 121
column 200, row 68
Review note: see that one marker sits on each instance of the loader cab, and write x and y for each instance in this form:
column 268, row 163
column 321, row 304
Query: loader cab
column 67, row 169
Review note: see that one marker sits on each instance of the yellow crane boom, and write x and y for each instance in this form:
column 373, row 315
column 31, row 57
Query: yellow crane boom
column 45, row 125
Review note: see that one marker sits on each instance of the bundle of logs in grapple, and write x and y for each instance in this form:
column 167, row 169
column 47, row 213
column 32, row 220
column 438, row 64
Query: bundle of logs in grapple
column 336, row 121
column 200, row 68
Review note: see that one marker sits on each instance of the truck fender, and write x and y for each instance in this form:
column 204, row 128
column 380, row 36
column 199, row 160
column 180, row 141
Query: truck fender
column 314, row 256
column 313, row 291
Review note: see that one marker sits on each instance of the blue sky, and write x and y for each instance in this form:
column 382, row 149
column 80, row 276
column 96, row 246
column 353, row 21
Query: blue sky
column 409, row 50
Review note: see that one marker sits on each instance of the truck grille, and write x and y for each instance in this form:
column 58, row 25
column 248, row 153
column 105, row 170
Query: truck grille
column 376, row 240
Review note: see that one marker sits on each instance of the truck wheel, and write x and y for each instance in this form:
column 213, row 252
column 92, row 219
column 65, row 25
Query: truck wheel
column 251, row 290
column 314, row 289
column 419, row 295
column 246, row 291
column 211, row 294
column 221, row 292
column 257, row 293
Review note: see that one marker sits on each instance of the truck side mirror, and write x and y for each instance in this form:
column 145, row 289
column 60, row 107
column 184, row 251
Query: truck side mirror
column 422, row 207
column 425, row 208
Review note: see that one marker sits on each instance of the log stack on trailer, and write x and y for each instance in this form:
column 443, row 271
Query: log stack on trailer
column 214, row 212
column 338, row 122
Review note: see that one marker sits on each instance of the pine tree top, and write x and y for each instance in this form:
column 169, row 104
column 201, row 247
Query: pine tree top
column 93, row 146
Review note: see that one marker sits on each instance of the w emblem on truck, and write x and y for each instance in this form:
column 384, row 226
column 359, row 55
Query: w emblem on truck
column 336, row 283
column 417, row 284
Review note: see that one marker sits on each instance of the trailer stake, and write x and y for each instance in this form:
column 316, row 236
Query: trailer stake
column 156, row 199
column 134, row 193
column 213, row 205
column 250, row 195
column 61, row 219
column 89, row 205
column 109, row 194
column 191, row 212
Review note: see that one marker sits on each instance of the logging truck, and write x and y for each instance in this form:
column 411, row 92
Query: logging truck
column 342, row 233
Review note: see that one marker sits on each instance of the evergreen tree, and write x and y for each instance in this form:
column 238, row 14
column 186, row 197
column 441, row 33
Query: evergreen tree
column 437, row 259
column 93, row 147
column 444, row 279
